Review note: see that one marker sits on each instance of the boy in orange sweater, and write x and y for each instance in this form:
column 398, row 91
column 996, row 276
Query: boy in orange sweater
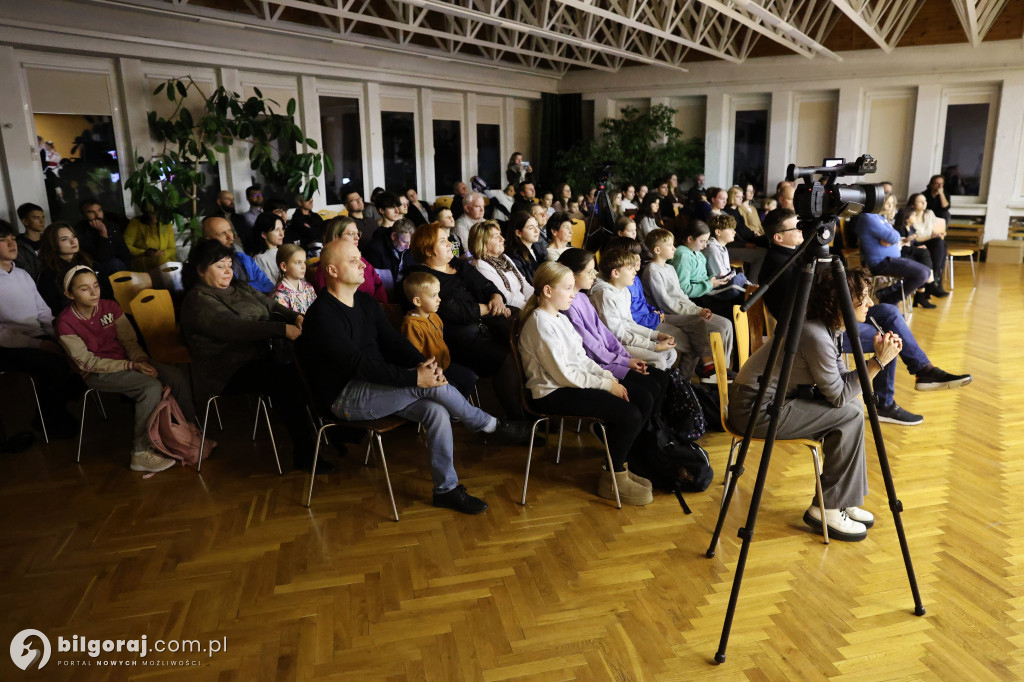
column 425, row 330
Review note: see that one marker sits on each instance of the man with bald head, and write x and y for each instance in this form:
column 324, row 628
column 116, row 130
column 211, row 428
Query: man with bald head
column 225, row 208
column 360, row 368
column 246, row 269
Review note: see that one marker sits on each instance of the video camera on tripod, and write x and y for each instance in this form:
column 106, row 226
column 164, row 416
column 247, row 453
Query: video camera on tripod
column 823, row 199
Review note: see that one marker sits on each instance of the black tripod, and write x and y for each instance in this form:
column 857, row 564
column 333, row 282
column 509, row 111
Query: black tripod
column 813, row 252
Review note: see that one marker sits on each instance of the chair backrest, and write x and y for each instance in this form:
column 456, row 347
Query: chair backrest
column 579, row 232
column 442, row 202
column 739, row 319
column 757, row 325
column 524, row 394
column 769, row 321
column 718, row 355
column 169, row 275
column 127, row 285
column 326, row 214
column 154, row 314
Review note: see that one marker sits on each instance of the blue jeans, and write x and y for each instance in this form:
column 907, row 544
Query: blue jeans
column 433, row 408
column 913, row 273
column 890, row 319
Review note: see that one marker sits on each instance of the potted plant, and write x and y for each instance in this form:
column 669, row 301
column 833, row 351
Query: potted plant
column 170, row 180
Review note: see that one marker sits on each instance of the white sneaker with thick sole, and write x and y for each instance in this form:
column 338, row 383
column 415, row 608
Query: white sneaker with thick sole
column 840, row 525
column 861, row 516
column 150, row 461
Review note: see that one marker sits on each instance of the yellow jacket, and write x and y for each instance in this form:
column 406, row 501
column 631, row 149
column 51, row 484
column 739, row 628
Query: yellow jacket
column 141, row 236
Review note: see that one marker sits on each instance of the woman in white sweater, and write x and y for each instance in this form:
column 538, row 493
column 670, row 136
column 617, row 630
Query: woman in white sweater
column 486, row 242
column 562, row 379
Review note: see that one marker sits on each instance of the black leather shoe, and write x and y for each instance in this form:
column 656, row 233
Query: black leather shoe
column 458, row 499
column 935, row 289
column 922, row 301
column 515, row 433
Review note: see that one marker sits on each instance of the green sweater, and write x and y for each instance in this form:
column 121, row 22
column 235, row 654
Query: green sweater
column 692, row 268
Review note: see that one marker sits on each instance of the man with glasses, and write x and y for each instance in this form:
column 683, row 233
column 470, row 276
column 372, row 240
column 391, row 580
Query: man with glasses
column 781, row 227
column 254, row 195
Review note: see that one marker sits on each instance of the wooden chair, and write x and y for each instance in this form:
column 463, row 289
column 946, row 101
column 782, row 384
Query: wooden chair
column 757, row 325
column 81, row 424
column 154, row 314
column 168, row 276
column 442, row 202
column 579, row 233
column 539, row 417
column 718, row 353
column 963, row 240
column 739, row 320
column 127, row 285
column 374, row 429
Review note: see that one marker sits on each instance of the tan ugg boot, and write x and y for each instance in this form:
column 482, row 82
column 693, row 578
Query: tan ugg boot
column 639, row 479
column 630, row 492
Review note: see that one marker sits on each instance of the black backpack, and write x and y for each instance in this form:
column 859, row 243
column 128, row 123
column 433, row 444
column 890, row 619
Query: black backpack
column 684, row 419
column 670, row 466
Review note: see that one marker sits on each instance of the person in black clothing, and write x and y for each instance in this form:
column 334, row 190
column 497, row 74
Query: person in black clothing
column 33, row 219
column 419, row 212
column 246, row 239
column 388, row 252
column 356, row 211
column 459, row 192
column 526, row 251
column 477, row 322
column 102, row 239
column 935, row 195
column 527, row 194
column 360, row 368
column 306, row 227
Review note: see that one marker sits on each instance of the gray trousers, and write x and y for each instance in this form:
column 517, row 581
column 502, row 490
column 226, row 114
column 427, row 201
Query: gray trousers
column 145, row 391
column 695, row 331
column 844, row 476
column 434, row 408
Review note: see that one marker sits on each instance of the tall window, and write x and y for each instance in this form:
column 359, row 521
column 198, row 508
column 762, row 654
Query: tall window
column 488, row 154
column 399, row 136
column 447, row 156
column 750, row 150
column 963, row 148
column 342, row 142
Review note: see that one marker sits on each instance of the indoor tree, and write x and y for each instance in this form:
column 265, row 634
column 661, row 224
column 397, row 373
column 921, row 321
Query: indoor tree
column 169, row 181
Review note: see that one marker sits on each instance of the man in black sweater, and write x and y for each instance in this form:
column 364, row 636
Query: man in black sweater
column 361, row 369
column 102, row 239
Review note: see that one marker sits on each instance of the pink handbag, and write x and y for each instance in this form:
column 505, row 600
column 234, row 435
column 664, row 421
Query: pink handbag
column 172, row 436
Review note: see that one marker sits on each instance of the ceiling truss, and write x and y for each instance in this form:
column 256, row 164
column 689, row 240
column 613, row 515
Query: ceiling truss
column 555, row 36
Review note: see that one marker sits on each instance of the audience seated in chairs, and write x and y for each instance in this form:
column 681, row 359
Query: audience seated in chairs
column 691, row 269
column 61, row 251
column 245, row 268
column 929, row 233
column 365, row 370
column 33, row 219
column 102, row 345
column 880, row 253
column 102, row 239
column 270, row 228
column 560, row 232
column 562, row 379
column 151, row 243
column 27, row 342
column 476, row 319
column 781, row 227
column 292, row 290
column 345, row 229
column 388, row 252
column 527, row 251
column 419, row 213
column 723, row 232
column 233, row 334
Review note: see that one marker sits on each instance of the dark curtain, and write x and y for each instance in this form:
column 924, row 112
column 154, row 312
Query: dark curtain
column 561, row 126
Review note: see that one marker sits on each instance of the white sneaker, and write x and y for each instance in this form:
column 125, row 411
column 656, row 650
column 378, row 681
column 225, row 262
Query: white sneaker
column 150, row 461
column 861, row 516
column 840, row 525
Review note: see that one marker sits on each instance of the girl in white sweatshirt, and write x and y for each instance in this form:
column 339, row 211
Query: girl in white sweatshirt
column 563, row 380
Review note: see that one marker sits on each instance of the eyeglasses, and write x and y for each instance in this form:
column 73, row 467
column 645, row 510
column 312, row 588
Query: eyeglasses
column 788, row 229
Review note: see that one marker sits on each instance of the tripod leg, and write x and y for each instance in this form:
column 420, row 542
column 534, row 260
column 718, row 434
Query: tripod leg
column 850, row 320
column 735, row 470
column 746, row 533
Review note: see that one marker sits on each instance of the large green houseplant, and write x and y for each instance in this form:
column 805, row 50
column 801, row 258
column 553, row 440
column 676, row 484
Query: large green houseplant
column 642, row 145
column 169, row 181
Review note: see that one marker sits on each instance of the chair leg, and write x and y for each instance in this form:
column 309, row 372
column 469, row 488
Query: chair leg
column 974, row 277
column 611, row 465
column 270, row 431
column 950, row 268
column 81, row 424
column 316, row 455
column 384, row 465
column 216, row 409
column 256, row 421
column 39, row 407
column 206, row 422
column 529, row 456
column 369, row 447
column 99, row 401
column 821, row 496
column 579, row 426
column 561, row 430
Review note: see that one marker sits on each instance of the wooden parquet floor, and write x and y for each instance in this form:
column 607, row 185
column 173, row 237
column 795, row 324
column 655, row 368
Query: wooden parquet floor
column 565, row 588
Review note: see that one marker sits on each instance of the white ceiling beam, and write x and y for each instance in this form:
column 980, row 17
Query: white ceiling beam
column 646, row 28
column 868, row 27
column 770, row 20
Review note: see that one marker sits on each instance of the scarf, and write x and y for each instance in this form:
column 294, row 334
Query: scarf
column 503, row 265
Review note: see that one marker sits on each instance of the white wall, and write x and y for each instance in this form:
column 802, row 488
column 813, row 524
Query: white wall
column 891, row 106
column 108, row 60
